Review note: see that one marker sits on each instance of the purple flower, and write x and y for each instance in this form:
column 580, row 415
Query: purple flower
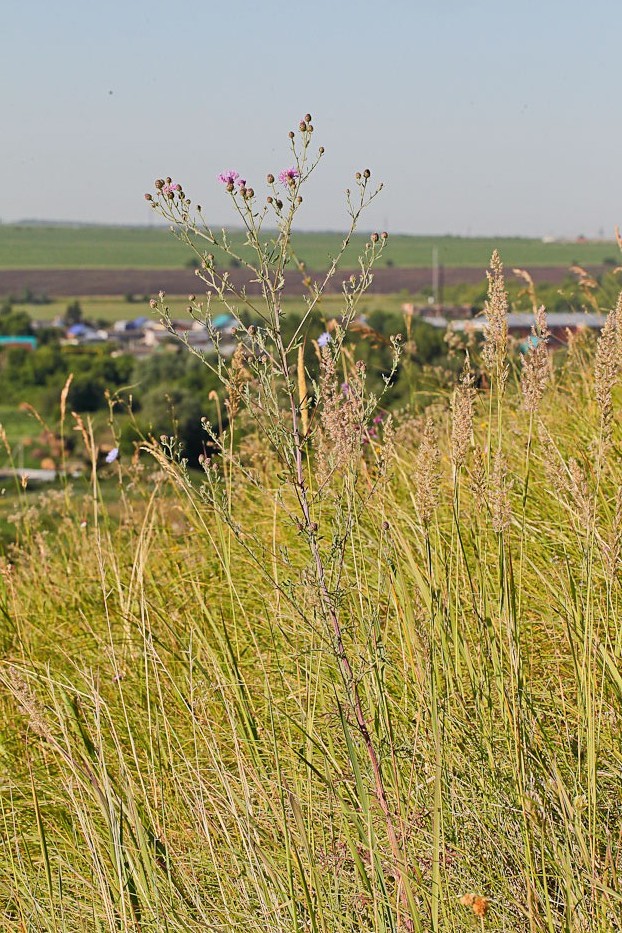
column 378, row 419
column 241, row 182
column 324, row 339
column 228, row 178
column 112, row 455
column 289, row 175
column 170, row 189
column 345, row 388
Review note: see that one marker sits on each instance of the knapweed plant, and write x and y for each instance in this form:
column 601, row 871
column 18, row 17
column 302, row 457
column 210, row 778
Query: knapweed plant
column 322, row 430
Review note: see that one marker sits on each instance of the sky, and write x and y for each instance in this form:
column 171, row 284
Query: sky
column 480, row 117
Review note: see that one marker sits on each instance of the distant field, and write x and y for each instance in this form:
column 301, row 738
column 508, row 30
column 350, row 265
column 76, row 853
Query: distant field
column 43, row 247
column 117, row 309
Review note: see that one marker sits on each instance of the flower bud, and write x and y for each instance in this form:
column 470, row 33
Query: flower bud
column 153, row 304
column 358, row 176
column 307, row 118
column 269, row 199
column 148, row 197
column 366, row 173
column 279, row 204
column 270, row 179
column 291, row 134
column 298, row 200
column 199, row 208
column 384, row 235
column 250, row 193
column 252, row 330
column 168, row 179
column 230, row 186
column 385, row 526
column 374, row 237
column 313, row 527
column 159, row 183
column 321, row 150
column 192, row 298
column 302, row 126
column 309, row 127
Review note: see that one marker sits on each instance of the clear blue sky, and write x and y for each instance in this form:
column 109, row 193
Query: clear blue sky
column 481, row 117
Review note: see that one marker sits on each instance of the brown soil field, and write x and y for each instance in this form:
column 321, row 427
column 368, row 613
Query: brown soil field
column 81, row 282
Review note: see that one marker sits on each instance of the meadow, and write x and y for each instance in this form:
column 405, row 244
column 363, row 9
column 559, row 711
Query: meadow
column 23, row 247
column 179, row 748
column 355, row 665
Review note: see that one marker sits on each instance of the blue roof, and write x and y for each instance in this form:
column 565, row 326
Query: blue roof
column 23, row 340
column 137, row 323
column 222, row 320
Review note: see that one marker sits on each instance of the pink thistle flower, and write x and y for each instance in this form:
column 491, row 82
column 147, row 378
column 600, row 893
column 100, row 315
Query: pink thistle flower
column 228, row 178
column 241, row 182
column 170, row 189
column 289, row 175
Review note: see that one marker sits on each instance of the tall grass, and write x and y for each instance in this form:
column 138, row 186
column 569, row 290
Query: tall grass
column 176, row 751
column 357, row 677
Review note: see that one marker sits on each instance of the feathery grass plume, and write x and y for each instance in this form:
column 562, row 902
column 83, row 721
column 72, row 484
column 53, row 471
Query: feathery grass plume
column 478, row 477
column 342, row 416
column 462, row 415
column 29, row 703
column 239, row 375
column 529, row 289
column 494, row 351
column 536, row 365
column 427, row 474
column 579, row 492
column 499, row 499
column 611, row 546
column 587, row 286
column 607, row 367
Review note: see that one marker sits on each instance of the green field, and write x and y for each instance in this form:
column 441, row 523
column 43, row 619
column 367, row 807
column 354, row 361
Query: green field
column 42, row 246
column 117, row 309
